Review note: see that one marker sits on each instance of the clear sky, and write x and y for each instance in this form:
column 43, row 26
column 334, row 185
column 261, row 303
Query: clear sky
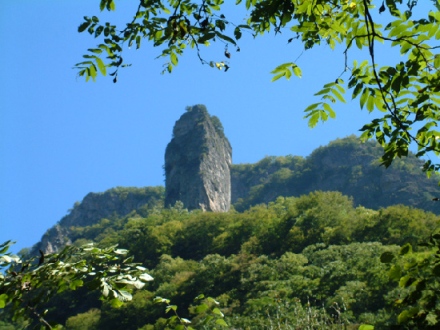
column 61, row 138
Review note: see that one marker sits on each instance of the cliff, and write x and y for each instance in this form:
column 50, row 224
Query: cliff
column 116, row 202
column 197, row 163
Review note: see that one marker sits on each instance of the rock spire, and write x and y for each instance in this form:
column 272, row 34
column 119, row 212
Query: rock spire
column 197, row 163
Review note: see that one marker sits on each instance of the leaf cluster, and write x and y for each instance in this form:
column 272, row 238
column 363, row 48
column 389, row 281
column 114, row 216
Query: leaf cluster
column 417, row 273
column 405, row 93
column 169, row 25
column 27, row 285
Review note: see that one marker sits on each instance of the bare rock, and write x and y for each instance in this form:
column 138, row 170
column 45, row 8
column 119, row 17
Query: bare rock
column 197, row 163
column 113, row 203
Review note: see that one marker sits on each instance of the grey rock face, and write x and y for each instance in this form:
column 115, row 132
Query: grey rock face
column 197, row 163
column 53, row 240
column 115, row 202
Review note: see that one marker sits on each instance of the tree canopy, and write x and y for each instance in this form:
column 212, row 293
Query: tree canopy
column 405, row 92
column 312, row 261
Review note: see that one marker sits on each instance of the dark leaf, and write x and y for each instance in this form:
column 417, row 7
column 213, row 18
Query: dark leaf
column 83, row 26
column 386, row 257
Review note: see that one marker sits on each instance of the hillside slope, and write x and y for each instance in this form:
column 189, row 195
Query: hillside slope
column 345, row 165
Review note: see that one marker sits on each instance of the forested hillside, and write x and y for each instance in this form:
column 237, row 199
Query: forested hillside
column 346, row 165
column 299, row 251
column 314, row 259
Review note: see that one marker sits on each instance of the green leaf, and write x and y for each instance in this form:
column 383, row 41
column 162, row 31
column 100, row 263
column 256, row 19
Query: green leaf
column 75, row 284
column 121, row 251
column 111, row 5
column 201, row 308
column 323, row 91
column 357, row 90
column 395, row 272
column 105, row 289
column 278, row 76
column 237, row 33
column 124, row 295
column 364, row 97
column 95, row 50
column 386, row 257
column 226, row 38
column 116, row 303
column 210, row 299
column 217, row 312
column 159, row 300
column 432, row 319
column 366, row 327
column 312, row 106
column 221, row 322
column 6, row 259
column 329, row 109
column 297, row 71
column 313, row 120
column 338, row 95
column 173, row 58
column 98, row 31
column 145, row 277
column 171, row 308
column 101, row 66
column 370, row 103
column 407, row 248
column 83, row 26
column 405, row 281
column 407, row 314
column 3, row 299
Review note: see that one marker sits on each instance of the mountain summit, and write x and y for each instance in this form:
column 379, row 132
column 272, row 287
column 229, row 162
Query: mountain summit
column 197, row 163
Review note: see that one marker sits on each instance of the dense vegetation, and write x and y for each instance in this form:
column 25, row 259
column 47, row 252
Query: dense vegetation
column 346, row 165
column 317, row 260
column 295, row 262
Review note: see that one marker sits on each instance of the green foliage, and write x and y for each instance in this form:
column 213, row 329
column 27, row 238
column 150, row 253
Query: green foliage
column 266, row 264
column 346, row 165
column 285, row 70
column 27, row 284
column 218, row 126
column 314, row 258
column 169, row 25
column 417, row 274
column 405, row 93
column 398, row 225
column 208, row 314
column 285, row 314
column 84, row 321
column 322, row 111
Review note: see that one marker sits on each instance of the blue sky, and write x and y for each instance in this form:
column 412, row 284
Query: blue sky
column 61, row 138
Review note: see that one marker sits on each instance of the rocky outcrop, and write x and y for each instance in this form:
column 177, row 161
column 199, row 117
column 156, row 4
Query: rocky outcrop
column 53, row 240
column 197, row 163
column 116, row 202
